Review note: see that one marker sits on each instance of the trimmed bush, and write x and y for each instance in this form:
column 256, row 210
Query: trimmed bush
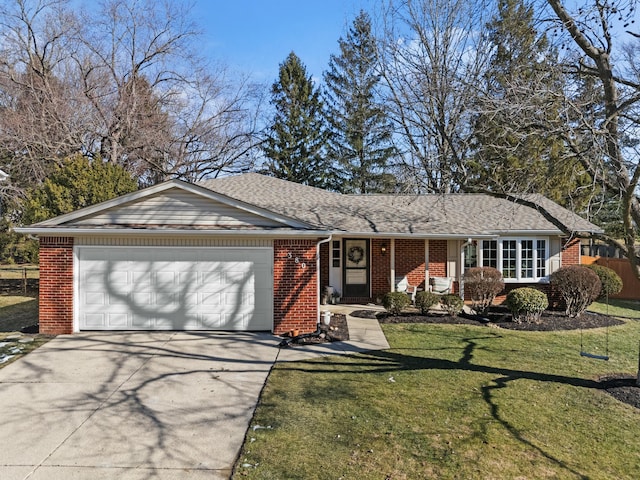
column 452, row 303
column 395, row 302
column 578, row 285
column 527, row 304
column 483, row 284
column 426, row 300
column 610, row 281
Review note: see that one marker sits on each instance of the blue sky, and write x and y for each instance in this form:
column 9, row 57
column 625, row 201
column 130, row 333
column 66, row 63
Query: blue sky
column 255, row 36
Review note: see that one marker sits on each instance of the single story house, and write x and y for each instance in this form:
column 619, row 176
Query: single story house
column 252, row 252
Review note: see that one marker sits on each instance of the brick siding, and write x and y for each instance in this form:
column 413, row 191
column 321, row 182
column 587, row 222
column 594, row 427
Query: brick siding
column 437, row 258
column 295, row 288
column 570, row 251
column 380, row 267
column 56, row 285
column 410, row 260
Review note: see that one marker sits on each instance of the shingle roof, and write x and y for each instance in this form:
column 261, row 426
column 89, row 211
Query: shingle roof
column 434, row 214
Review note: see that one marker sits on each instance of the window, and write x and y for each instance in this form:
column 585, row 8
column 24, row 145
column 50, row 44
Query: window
column 490, row 253
column 470, row 256
column 509, row 263
column 526, row 258
column 519, row 259
column 335, row 253
column 541, row 258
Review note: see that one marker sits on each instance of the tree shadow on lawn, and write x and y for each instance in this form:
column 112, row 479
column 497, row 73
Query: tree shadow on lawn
column 390, row 361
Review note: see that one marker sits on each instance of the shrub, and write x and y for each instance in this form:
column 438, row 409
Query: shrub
column 395, row 302
column 578, row 286
column 483, row 284
column 426, row 300
column 452, row 303
column 527, row 304
column 610, row 281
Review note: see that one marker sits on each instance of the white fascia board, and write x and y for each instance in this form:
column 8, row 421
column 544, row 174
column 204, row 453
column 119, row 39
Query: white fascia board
column 528, row 233
column 172, row 232
column 146, row 192
column 434, row 236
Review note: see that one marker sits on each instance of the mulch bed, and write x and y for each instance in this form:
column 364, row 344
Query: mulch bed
column 337, row 331
column 500, row 317
column 620, row 386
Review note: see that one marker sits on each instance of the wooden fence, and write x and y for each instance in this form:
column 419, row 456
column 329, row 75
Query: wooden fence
column 17, row 279
column 631, row 285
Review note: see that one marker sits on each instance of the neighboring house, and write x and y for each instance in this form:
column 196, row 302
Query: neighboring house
column 252, row 252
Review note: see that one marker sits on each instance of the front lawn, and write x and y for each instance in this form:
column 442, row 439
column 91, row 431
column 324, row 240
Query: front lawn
column 450, row 401
column 17, row 312
column 617, row 308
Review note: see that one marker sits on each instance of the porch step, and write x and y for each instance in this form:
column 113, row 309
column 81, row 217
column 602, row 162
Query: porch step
column 356, row 300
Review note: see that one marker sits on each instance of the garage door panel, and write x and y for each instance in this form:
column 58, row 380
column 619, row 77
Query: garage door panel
column 210, row 299
column 141, row 321
column 95, row 298
column 175, row 288
column 211, row 320
column 142, row 298
column 95, row 320
column 117, row 320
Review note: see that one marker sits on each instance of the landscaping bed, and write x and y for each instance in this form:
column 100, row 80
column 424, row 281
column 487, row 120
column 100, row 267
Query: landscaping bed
column 550, row 321
column 336, row 331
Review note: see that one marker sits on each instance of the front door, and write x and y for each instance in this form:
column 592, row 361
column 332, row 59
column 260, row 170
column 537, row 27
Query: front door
column 356, row 268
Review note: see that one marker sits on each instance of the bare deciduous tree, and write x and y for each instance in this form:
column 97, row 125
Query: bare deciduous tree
column 122, row 80
column 41, row 104
column 433, row 53
column 601, row 119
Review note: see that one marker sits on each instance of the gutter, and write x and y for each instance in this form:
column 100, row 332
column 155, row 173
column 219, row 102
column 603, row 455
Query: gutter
column 78, row 232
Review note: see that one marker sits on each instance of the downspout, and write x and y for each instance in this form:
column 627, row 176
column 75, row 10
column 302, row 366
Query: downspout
column 326, row 240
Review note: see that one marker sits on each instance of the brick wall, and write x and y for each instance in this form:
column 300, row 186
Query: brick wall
column 56, row 285
column 437, row 258
column 380, row 267
column 410, row 260
column 570, row 251
column 295, row 288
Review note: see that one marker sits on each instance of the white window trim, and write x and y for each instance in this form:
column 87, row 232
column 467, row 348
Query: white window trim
column 518, row 278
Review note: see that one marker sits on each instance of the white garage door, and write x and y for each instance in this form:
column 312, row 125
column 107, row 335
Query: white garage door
column 171, row 288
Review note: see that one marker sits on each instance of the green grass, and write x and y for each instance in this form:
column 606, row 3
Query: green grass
column 617, row 308
column 17, row 312
column 465, row 403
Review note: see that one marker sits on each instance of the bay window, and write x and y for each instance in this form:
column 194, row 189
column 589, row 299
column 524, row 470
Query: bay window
column 518, row 259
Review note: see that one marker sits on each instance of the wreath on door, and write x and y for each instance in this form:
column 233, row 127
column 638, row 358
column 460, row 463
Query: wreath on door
column 355, row 254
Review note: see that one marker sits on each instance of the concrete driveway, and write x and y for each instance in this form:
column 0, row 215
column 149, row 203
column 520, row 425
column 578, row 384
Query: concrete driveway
column 172, row 405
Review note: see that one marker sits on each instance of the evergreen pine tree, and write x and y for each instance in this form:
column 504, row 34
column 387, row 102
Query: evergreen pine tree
column 296, row 140
column 513, row 153
column 360, row 138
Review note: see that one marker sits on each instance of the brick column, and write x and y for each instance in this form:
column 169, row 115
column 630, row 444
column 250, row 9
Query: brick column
column 56, row 285
column 410, row 261
column 570, row 252
column 437, row 258
column 380, row 267
column 295, row 302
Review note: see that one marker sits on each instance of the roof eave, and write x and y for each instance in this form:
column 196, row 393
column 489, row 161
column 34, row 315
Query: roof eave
column 93, row 232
